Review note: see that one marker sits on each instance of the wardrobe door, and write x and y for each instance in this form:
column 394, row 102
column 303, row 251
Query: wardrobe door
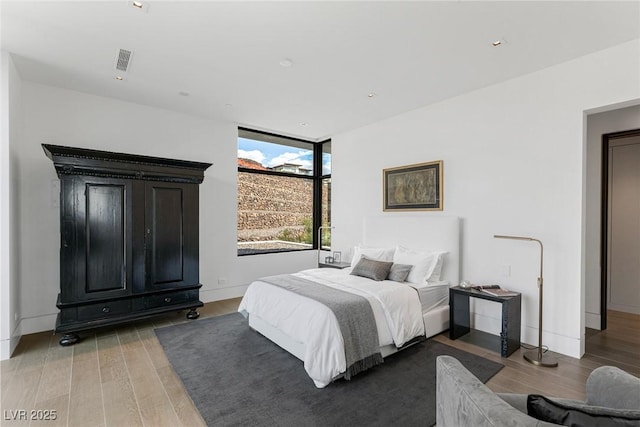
column 103, row 245
column 171, row 235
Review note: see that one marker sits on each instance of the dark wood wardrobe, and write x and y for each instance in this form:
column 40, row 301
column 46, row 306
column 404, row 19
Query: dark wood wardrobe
column 129, row 237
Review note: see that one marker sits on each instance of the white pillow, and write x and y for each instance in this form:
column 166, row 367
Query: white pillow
column 378, row 254
column 437, row 270
column 426, row 265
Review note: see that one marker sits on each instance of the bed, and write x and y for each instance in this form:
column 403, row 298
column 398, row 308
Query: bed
column 403, row 312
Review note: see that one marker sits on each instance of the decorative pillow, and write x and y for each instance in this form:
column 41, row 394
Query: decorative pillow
column 424, row 264
column 545, row 409
column 371, row 268
column 380, row 254
column 399, row 272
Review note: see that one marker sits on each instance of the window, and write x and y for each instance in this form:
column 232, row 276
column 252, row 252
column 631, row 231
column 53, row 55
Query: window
column 284, row 192
column 325, row 197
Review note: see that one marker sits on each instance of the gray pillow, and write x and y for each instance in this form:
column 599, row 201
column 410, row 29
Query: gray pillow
column 399, row 272
column 372, row 269
column 545, row 409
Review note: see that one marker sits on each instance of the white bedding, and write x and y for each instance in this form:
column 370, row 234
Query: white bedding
column 432, row 295
column 396, row 307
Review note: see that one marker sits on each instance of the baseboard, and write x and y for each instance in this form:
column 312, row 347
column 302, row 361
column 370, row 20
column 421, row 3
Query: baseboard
column 488, row 324
column 211, row 295
column 624, row 308
column 5, row 349
column 8, row 346
column 567, row 346
column 592, row 321
column 32, row 325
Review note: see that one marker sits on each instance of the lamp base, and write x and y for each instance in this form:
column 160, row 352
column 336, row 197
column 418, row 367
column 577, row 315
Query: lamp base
column 540, row 359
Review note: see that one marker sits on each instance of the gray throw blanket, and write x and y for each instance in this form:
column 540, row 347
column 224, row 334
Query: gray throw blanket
column 354, row 314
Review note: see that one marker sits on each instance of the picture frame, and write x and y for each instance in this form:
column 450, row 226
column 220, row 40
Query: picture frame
column 337, row 257
column 416, row 187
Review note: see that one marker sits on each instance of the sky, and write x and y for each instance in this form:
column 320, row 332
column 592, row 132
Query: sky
column 270, row 155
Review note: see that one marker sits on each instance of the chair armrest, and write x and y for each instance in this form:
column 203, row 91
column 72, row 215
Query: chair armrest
column 463, row 400
column 614, row 388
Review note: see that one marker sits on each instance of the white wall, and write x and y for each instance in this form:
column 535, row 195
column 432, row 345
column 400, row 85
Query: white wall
column 63, row 117
column 598, row 124
column 11, row 125
column 513, row 155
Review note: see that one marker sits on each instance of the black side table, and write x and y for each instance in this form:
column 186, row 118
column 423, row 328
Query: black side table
column 460, row 318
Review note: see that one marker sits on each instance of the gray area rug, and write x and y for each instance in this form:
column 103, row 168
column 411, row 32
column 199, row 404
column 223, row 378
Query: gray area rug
column 236, row 377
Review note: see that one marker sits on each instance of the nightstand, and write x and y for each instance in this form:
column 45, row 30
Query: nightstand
column 339, row 265
column 460, row 320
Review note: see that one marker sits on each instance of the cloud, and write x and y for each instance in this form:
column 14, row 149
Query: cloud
column 256, row 155
column 326, row 167
column 295, row 158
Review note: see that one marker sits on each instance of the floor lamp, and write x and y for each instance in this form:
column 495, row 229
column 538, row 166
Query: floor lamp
column 533, row 356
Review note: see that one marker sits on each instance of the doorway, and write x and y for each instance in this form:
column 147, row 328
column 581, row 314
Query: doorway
column 620, row 240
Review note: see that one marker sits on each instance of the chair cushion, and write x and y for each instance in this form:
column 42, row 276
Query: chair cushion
column 578, row 415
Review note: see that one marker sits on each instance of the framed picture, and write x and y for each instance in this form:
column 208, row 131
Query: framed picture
column 413, row 187
column 337, row 257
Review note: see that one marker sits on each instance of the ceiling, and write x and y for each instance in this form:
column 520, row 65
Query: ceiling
column 222, row 60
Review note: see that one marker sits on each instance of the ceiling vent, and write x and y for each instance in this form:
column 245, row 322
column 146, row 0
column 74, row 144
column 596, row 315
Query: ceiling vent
column 123, row 59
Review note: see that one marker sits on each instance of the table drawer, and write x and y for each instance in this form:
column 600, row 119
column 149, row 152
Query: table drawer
column 104, row 310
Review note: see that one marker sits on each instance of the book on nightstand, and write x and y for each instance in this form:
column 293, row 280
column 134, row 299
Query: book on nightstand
column 499, row 292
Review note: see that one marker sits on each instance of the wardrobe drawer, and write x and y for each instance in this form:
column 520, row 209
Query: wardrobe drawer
column 171, row 298
column 103, row 310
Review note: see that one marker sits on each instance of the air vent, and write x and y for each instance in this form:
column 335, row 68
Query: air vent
column 123, row 59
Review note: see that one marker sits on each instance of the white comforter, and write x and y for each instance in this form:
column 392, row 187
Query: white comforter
column 396, row 308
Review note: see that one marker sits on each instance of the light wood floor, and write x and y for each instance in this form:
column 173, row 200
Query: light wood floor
column 121, row 377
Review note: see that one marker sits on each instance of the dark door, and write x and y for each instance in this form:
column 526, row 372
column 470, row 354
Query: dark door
column 171, row 235
column 620, row 234
column 623, row 228
column 102, row 249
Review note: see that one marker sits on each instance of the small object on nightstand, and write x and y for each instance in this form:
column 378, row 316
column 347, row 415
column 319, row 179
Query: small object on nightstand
column 328, row 260
column 465, row 284
column 337, row 256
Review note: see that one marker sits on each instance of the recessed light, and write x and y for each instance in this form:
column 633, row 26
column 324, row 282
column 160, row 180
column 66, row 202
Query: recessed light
column 119, row 78
column 228, row 105
column 499, row 42
column 286, row 63
column 137, row 4
column 304, row 124
column 371, row 95
column 182, row 93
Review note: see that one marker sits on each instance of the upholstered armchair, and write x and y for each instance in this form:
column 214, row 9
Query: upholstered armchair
column 612, row 398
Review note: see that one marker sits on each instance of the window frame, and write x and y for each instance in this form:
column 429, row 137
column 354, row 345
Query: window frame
column 317, row 177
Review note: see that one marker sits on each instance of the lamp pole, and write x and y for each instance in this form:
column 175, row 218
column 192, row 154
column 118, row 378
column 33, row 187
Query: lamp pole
column 324, row 227
column 536, row 357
